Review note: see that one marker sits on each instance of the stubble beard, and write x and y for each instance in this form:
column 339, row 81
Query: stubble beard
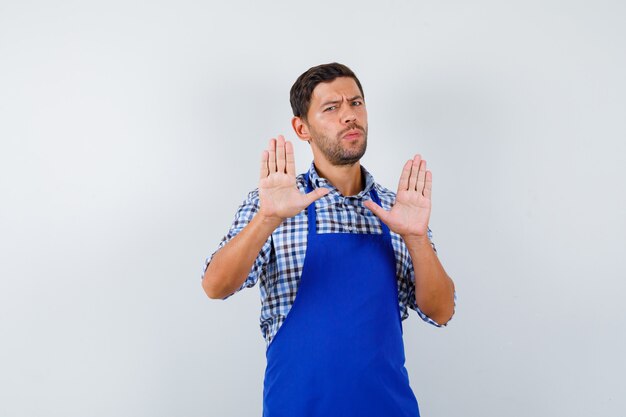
column 338, row 153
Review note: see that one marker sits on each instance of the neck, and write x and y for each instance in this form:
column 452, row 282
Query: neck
column 346, row 178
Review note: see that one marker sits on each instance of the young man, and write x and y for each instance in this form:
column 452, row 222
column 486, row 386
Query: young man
column 339, row 258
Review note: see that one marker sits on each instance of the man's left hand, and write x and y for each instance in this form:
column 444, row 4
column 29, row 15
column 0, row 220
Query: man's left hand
column 410, row 214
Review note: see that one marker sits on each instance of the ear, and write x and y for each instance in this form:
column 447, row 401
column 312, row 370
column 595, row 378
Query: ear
column 301, row 128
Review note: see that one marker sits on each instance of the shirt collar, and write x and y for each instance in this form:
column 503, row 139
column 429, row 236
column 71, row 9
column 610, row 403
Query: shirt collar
column 318, row 181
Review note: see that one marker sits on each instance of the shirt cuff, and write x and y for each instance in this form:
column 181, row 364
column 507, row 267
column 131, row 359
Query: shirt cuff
column 433, row 322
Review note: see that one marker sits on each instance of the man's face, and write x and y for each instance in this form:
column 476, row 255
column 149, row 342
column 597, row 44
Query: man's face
column 337, row 121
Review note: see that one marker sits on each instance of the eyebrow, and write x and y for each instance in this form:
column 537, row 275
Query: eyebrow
column 326, row 103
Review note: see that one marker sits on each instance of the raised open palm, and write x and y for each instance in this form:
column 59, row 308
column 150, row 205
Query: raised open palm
column 279, row 196
column 410, row 214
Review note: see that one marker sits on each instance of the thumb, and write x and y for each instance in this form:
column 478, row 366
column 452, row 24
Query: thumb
column 377, row 210
column 315, row 195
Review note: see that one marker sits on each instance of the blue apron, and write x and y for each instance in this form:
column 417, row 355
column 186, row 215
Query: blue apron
column 339, row 352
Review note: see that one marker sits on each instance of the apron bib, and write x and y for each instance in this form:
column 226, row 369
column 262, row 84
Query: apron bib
column 339, row 352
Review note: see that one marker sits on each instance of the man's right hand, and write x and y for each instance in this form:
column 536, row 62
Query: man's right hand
column 279, row 199
column 278, row 194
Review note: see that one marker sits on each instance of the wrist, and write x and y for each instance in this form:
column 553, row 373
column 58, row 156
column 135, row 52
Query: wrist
column 268, row 220
column 416, row 240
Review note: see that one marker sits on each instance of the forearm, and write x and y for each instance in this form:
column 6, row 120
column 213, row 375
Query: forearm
column 434, row 290
column 231, row 265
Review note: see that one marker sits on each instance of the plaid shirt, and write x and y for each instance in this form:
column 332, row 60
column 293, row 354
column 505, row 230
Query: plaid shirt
column 280, row 262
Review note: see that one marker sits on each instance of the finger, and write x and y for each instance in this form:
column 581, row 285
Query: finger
column 380, row 212
column 264, row 171
column 428, row 187
column 403, row 184
column 271, row 163
column 315, row 195
column 421, row 177
column 280, row 154
column 290, row 160
column 414, row 170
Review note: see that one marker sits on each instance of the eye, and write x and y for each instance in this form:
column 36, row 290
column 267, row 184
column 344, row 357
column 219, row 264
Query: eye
column 357, row 103
column 330, row 108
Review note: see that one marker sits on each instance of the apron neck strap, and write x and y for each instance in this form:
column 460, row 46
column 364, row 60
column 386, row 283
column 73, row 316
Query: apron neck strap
column 312, row 217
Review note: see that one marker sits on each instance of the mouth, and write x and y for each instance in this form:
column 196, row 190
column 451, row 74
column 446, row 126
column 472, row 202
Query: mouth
column 352, row 134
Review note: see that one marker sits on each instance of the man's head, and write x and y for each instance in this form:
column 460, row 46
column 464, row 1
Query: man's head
column 302, row 89
column 329, row 113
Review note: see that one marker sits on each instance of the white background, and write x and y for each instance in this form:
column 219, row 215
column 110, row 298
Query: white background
column 130, row 132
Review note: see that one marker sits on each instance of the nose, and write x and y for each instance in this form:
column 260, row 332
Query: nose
column 349, row 116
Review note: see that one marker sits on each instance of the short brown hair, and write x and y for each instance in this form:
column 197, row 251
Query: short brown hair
column 302, row 89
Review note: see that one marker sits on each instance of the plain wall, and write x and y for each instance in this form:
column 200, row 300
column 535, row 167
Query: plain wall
column 130, row 132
